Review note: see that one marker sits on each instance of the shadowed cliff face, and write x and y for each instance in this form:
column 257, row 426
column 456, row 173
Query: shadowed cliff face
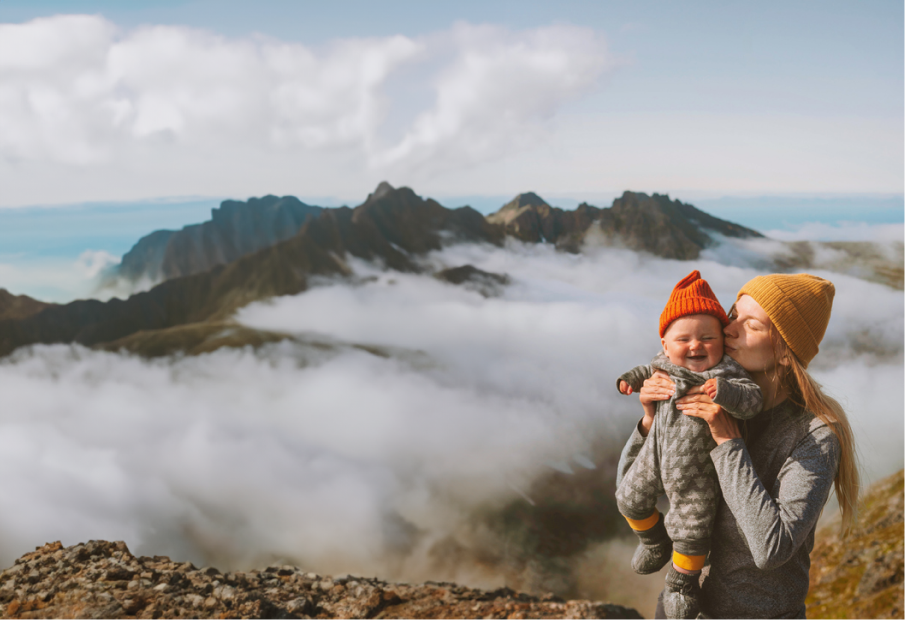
column 391, row 227
column 654, row 224
column 234, row 230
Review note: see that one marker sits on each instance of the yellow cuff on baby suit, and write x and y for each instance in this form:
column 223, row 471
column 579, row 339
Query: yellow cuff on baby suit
column 688, row 562
column 644, row 524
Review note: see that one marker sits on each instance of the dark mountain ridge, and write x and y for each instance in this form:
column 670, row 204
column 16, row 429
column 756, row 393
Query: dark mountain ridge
column 391, row 226
column 655, row 224
column 234, row 230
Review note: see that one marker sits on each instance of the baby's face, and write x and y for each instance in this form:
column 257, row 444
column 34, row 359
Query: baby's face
column 694, row 342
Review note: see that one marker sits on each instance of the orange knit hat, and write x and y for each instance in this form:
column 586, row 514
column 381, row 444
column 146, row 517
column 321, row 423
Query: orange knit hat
column 691, row 296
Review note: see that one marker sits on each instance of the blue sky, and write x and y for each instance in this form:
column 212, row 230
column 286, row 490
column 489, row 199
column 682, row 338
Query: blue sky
column 697, row 99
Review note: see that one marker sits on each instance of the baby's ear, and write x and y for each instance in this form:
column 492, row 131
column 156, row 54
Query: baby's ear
column 663, row 344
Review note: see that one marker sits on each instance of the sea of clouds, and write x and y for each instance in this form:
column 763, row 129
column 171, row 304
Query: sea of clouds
column 434, row 451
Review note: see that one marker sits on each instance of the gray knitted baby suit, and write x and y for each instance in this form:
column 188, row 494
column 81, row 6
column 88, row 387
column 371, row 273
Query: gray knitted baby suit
column 675, row 459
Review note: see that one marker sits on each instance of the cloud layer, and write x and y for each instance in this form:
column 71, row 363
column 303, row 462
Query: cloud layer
column 77, row 91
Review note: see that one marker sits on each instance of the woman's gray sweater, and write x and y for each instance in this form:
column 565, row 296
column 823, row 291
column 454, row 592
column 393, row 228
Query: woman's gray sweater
column 775, row 482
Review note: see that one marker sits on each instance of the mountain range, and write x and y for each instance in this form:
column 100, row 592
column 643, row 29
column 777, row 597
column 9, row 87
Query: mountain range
column 273, row 246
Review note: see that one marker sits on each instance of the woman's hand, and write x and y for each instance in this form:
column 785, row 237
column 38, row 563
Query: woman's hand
column 658, row 387
column 697, row 403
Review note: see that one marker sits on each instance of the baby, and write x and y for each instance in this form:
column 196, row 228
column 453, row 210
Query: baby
column 675, row 457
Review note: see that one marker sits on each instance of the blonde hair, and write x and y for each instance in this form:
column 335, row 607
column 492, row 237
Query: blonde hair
column 805, row 392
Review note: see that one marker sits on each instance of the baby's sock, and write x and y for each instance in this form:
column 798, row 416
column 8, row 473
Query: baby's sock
column 690, row 563
column 680, row 598
column 654, row 551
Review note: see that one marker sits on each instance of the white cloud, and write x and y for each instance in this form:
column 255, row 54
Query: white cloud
column 76, row 90
column 498, row 91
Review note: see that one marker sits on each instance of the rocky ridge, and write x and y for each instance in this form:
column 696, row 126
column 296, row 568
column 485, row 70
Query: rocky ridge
column 234, row 230
column 392, row 227
column 102, row 579
column 654, row 224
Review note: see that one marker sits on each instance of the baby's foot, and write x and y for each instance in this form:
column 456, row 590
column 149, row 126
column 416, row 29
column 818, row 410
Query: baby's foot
column 654, row 551
column 649, row 559
column 680, row 597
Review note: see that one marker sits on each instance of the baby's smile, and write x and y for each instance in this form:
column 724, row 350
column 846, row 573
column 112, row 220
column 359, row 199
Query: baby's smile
column 694, row 342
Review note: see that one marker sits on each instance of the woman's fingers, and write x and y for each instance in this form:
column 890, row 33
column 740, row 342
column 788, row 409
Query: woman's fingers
column 722, row 426
column 649, row 393
column 695, row 398
column 657, row 388
column 699, row 410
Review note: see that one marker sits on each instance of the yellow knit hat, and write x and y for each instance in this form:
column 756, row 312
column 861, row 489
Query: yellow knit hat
column 799, row 306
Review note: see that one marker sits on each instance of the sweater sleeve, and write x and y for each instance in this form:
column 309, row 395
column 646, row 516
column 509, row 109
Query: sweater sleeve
column 635, row 377
column 629, row 452
column 741, row 397
column 775, row 527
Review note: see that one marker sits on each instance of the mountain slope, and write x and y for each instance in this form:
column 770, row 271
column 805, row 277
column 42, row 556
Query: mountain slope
column 19, row 306
column 392, row 226
column 861, row 576
column 234, row 230
column 876, row 262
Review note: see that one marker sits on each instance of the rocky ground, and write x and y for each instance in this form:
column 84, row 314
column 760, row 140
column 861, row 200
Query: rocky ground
column 861, row 576
column 104, row 580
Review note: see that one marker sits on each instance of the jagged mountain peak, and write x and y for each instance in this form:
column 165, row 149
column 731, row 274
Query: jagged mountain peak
column 526, row 202
column 528, row 199
column 383, row 189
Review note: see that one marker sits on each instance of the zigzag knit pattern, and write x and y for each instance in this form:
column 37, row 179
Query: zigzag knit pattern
column 675, row 458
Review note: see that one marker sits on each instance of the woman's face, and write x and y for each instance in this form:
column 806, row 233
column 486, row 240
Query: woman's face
column 749, row 336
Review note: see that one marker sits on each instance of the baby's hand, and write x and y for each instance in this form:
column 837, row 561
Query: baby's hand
column 625, row 388
column 709, row 388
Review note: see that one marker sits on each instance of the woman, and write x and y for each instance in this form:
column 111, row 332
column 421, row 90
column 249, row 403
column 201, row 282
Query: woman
column 776, row 470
